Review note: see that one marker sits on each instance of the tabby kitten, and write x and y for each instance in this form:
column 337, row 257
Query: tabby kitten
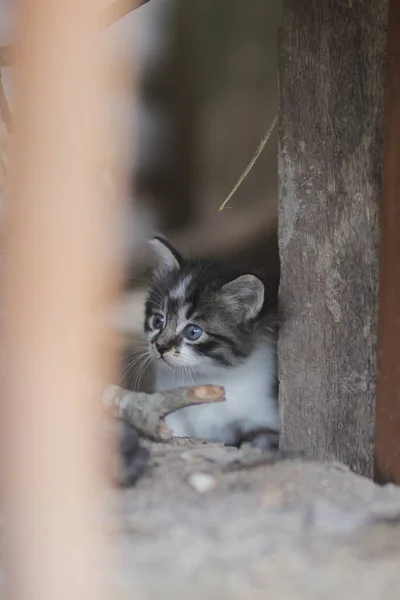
column 209, row 322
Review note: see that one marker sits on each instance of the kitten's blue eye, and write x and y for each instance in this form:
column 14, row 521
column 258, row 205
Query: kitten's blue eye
column 193, row 332
column 157, row 321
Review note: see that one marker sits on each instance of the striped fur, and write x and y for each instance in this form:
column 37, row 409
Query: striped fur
column 236, row 348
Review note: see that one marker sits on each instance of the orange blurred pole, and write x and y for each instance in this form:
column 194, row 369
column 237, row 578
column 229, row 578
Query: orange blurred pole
column 53, row 281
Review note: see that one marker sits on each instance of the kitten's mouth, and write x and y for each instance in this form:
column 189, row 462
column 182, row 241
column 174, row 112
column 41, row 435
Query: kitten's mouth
column 168, row 360
column 165, row 359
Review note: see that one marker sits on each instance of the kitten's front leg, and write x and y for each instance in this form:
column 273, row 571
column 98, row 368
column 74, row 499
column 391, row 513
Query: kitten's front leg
column 127, row 465
column 263, row 439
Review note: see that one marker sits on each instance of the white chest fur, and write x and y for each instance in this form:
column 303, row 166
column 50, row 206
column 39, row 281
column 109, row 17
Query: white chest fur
column 250, row 403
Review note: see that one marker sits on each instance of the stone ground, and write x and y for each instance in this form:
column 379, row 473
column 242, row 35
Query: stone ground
column 201, row 524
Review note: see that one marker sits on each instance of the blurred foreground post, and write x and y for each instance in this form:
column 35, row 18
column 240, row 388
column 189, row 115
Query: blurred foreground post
column 54, row 281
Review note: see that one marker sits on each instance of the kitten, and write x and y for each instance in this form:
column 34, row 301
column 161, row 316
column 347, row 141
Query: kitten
column 209, row 322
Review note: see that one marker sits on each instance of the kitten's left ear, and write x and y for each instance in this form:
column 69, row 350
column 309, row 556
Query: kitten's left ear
column 166, row 253
column 246, row 295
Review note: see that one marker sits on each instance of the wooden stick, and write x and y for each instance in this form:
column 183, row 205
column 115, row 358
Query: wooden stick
column 53, row 281
column 147, row 411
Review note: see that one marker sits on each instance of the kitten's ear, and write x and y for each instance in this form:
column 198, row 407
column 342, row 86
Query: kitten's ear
column 245, row 295
column 167, row 255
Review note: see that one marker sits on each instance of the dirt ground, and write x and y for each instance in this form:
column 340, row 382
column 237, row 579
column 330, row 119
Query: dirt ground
column 201, row 524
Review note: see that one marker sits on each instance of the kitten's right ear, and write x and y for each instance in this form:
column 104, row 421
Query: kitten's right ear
column 167, row 255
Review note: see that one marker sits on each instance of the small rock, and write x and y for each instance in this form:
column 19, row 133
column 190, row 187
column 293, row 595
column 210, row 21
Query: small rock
column 338, row 466
column 202, row 482
column 274, row 498
column 185, row 456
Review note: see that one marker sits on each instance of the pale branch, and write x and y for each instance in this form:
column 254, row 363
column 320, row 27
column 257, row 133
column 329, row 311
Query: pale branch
column 146, row 412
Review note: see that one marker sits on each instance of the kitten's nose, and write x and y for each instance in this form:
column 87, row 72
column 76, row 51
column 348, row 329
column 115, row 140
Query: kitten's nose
column 162, row 348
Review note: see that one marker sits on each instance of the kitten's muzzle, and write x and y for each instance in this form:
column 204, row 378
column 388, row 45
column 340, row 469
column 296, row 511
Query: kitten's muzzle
column 162, row 348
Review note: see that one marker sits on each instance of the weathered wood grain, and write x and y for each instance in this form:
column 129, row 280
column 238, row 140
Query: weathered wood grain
column 387, row 467
column 332, row 81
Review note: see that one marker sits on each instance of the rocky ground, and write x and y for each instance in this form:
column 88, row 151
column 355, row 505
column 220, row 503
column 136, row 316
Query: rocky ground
column 211, row 522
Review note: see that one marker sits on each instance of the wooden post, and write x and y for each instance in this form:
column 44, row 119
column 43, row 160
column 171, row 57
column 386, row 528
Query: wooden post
column 387, row 467
column 332, row 81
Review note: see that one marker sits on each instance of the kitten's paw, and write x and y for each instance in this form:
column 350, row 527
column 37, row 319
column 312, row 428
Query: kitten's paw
column 134, row 457
column 263, row 440
column 126, row 468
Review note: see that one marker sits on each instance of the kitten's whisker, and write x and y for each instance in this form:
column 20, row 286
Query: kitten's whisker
column 155, row 287
column 132, row 350
column 135, row 359
column 132, row 363
column 141, row 370
column 158, row 297
column 187, row 374
column 136, row 374
column 132, row 353
column 184, row 373
column 135, row 344
column 144, row 369
column 125, row 371
column 194, row 375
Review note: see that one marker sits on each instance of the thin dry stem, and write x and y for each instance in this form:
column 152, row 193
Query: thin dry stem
column 251, row 163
